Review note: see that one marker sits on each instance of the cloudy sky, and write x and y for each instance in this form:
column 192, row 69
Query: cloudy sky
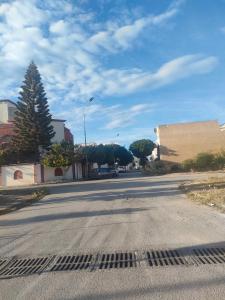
column 146, row 62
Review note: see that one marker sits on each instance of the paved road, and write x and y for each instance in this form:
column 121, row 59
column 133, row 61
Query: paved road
column 127, row 213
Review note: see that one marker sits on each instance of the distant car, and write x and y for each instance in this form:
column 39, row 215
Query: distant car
column 107, row 172
column 121, row 169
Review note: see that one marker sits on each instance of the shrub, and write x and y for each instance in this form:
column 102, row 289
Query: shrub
column 204, row 161
column 219, row 160
column 188, row 165
column 160, row 167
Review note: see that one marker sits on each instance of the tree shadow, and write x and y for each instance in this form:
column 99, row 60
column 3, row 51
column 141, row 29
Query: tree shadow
column 69, row 188
column 72, row 215
column 113, row 196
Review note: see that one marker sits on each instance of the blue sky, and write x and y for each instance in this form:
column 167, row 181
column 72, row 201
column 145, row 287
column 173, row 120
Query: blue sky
column 146, row 62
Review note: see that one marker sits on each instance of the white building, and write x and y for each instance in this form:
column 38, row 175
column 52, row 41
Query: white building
column 7, row 114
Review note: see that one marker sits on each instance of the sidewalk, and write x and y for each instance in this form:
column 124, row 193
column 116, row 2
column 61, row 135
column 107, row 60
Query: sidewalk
column 13, row 199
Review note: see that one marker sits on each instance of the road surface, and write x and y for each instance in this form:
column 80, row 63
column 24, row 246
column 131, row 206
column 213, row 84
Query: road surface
column 127, row 213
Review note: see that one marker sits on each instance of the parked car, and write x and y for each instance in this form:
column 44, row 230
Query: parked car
column 108, row 172
column 121, row 169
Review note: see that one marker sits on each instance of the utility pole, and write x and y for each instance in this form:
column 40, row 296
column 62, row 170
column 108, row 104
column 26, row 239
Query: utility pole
column 85, row 138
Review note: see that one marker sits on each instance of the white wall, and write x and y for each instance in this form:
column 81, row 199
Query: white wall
column 32, row 174
column 7, row 177
column 49, row 174
column 3, row 112
column 59, row 131
column 78, row 171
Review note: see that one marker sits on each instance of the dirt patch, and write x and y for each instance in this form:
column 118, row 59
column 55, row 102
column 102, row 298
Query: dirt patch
column 209, row 192
column 11, row 200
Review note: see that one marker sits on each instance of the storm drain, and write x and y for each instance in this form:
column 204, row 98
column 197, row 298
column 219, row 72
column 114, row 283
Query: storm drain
column 209, row 255
column 14, row 267
column 118, row 260
column 3, row 262
column 157, row 258
column 72, row 262
column 26, row 266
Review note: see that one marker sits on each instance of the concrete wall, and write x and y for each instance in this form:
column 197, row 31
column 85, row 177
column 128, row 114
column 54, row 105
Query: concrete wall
column 59, row 131
column 49, row 174
column 32, row 174
column 179, row 142
column 7, row 175
column 78, row 171
column 5, row 106
column 3, row 112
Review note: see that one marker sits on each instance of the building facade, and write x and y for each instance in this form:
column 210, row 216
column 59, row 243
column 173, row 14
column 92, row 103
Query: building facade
column 7, row 114
column 178, row 142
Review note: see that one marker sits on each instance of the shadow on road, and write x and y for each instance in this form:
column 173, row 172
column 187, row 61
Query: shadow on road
column 72, row 215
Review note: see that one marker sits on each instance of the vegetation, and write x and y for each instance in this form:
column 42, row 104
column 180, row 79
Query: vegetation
column 160, row 167
column 208, row 192
column 110, row 154
column 33, row 129
column 64, row 154
column 60, row 155
column 205, row 162
column 9, row 154
column 14, row 199
column 141, row 149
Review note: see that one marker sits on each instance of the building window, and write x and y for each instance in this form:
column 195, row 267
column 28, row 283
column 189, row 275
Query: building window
column 58, row 172
column 11, row 113
column 18, row 175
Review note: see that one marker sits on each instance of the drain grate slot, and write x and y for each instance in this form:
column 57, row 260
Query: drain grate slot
column 118, row 260
column 26, row 266
column 209, row 255
column 162, row 258
column 72, row 262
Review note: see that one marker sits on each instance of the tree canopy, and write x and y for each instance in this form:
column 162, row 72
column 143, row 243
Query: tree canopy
column 33, row 127
column 60, row 155
column 109, row 153
column 141, row 149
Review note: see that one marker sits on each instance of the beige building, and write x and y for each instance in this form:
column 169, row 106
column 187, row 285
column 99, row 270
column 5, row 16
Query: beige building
column 7, row 114
column 178, row 142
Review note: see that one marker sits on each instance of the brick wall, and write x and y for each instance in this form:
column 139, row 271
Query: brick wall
column 179, row 142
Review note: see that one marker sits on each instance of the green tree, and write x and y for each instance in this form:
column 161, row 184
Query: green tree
column 141, row 149
column 60, row 155
column 33, row 127
column 122, row 155
column 97, row 154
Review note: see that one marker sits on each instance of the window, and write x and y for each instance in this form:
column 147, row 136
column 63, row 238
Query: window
column 58, row 172
column 11, row 112
column 18, row 175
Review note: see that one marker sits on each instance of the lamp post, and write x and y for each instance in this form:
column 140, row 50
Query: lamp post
column 85, row 136
column 114, row 159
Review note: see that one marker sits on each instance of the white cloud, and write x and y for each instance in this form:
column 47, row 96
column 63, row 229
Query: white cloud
column 55, row 37
column 123, row 117
column 119, row 38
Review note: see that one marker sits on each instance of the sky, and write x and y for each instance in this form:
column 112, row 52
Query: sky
column 145, row 62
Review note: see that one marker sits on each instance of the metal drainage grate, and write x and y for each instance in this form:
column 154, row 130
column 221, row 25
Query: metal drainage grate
column 72, row 262
column 3, row 262
column 118, row 260
column 162, row 258
column 209, row 255
column 21, row 267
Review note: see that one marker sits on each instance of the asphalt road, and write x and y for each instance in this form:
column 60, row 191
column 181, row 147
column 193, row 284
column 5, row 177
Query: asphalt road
column 128, row 213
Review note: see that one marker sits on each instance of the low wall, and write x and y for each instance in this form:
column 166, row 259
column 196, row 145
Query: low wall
column 51, row 174
column 17, row 175
column 28, row 174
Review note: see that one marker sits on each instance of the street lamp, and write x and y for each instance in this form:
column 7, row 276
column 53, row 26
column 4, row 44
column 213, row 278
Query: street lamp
column 85, row 135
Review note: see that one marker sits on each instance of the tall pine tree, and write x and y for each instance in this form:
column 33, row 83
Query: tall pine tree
column 33, row 127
